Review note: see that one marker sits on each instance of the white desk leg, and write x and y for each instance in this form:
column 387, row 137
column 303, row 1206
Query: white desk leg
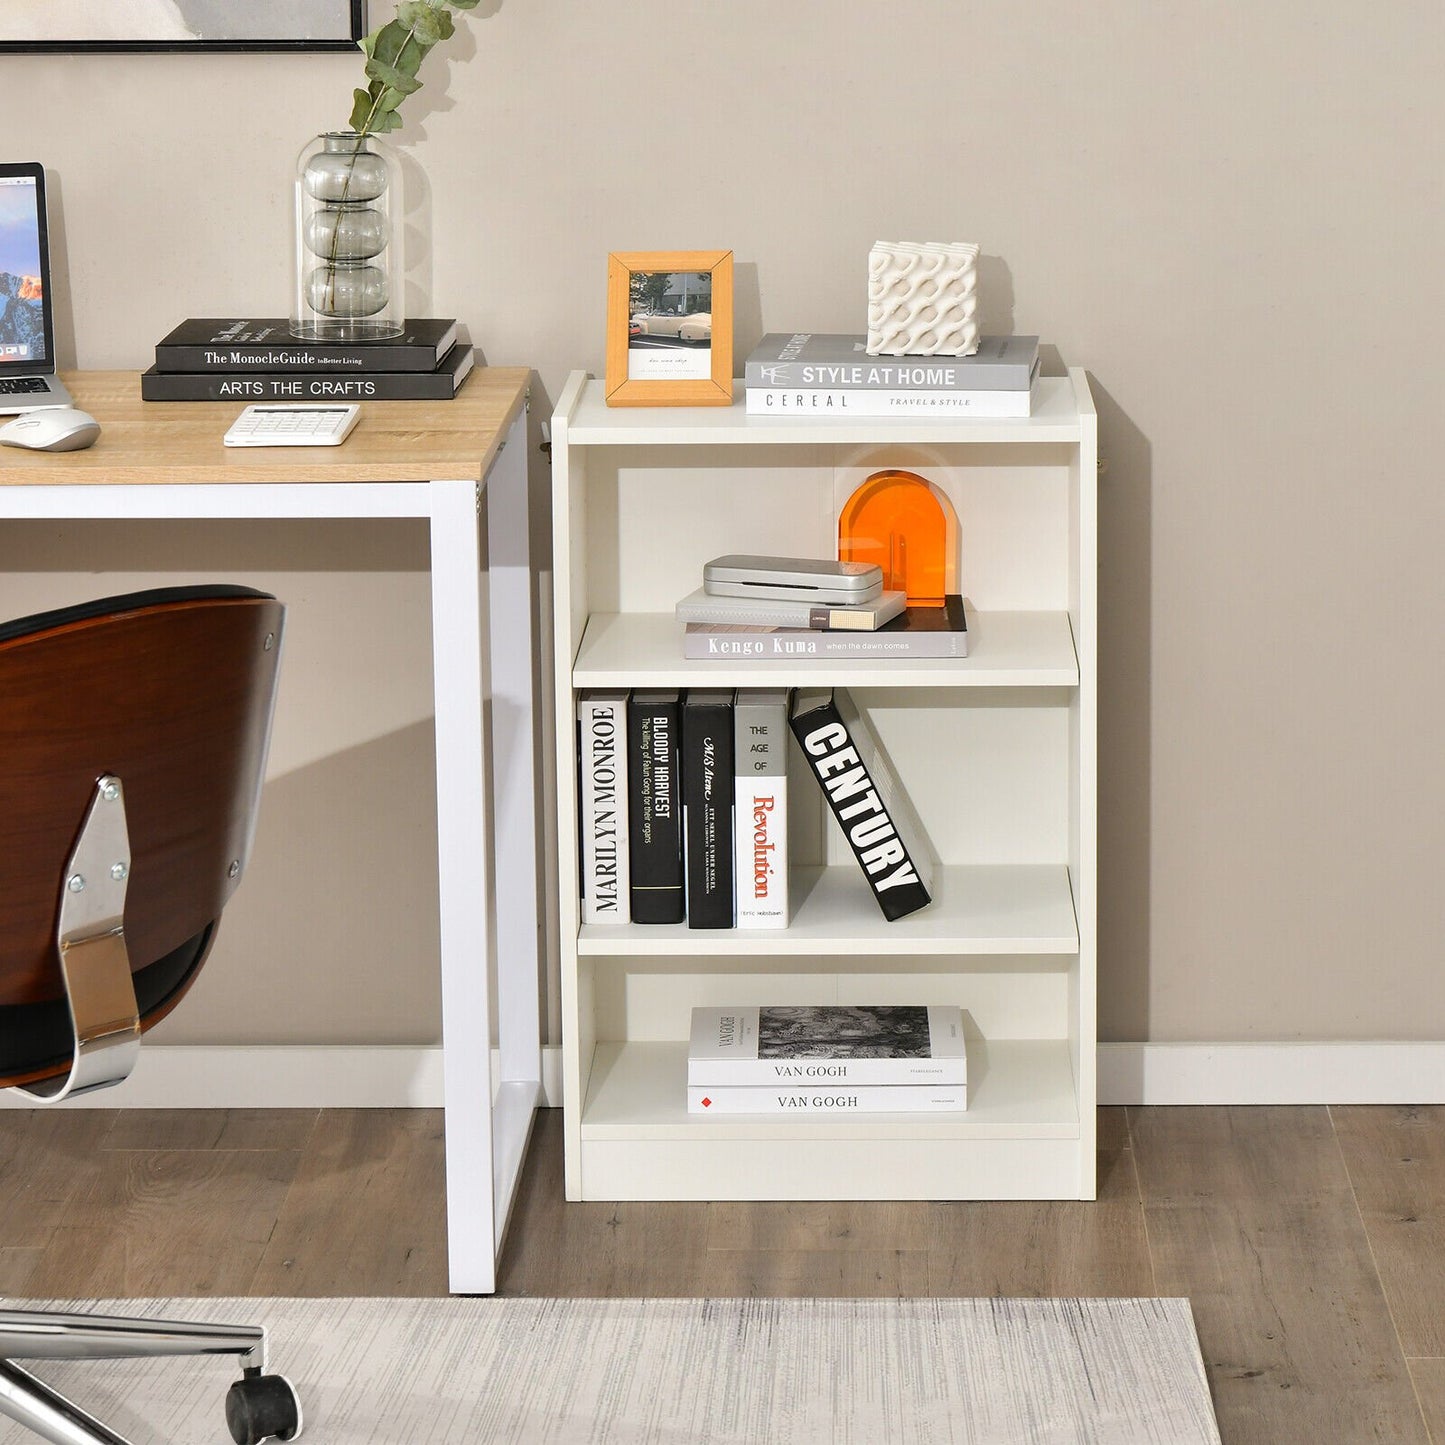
column 464, row 843
column 515, row 836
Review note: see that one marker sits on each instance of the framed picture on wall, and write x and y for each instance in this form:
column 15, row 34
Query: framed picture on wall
column 210, row 25
column 669, row 328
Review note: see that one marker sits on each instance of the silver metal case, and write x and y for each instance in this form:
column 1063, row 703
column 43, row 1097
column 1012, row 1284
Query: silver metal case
column 799, row 578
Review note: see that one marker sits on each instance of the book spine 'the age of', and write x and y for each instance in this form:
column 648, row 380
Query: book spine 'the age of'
column 760, row 818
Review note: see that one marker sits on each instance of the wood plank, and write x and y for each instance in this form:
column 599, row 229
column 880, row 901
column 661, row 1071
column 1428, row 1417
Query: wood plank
column 1250, row 1214
column 848, row 1273
column 812, row 1226
column 1050, row 1247
column 366, row 1213
column 167, row 1222
column 1396, row 1161
column 571, row 1250
column 179, row 443
column 152, row 1129
column 1429, row 1378
column 46, row 1157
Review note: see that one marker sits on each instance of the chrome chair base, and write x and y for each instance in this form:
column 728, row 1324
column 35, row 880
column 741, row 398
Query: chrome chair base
column 260, row 1406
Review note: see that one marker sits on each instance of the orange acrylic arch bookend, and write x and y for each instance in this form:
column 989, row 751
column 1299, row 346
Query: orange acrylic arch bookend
column 909, row 528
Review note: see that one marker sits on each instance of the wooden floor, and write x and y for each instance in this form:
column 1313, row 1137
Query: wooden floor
column 1309, row 1241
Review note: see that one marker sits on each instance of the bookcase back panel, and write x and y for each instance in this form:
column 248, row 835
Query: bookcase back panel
column 656, row 516
column 987, row 774
column 651, row 1000
column 1013, row 516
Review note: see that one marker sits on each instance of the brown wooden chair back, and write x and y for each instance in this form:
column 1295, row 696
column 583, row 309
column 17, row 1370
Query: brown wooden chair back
column 171, row 691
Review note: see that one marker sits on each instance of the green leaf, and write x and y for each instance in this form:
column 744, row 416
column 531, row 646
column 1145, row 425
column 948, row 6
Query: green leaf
column 428, row 25
column 390, row 41
column 360, row 112
column 393, row 78
column 386, row 120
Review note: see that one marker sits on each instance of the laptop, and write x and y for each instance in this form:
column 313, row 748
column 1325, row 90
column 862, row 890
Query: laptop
column 27, row 335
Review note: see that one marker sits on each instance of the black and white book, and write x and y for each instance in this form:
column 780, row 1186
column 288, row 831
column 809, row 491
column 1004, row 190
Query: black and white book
column 214, row 343
column 829, row 1099
column 917, row 632
column 829, row 1044
column 866, row 798
column 809, row 359
column 654, row 728
column 707, row 807
column 440, row 384
column 841, row 402
column 602, row 805
column 705, row 606
column 760, row 807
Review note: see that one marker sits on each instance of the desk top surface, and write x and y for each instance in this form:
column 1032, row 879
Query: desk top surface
column 179, row 442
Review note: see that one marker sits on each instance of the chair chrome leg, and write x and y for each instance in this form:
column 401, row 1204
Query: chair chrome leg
column 43, row 1335
column 33, row 1404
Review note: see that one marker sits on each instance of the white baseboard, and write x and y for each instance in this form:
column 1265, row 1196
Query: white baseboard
column 342, row 1076
column 1273, row 1073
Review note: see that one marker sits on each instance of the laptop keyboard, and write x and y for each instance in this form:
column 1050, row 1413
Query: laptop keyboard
column 16, row 385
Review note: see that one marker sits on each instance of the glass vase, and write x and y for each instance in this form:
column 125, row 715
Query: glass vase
column 349, row 272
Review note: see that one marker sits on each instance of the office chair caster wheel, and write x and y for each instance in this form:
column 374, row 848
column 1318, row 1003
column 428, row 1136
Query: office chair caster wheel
column 263, row 1407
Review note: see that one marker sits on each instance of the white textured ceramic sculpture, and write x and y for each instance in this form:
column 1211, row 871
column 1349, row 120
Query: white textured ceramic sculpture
column 922, row 296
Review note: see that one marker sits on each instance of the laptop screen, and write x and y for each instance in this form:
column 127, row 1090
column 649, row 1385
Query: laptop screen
column 25, row 331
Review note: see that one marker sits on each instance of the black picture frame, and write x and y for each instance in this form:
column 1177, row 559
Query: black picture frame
column 356, row 19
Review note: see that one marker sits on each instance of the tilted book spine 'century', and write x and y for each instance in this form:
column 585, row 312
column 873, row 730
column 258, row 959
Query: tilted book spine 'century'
column 602, row 791
column 760, row 816
column 866, row 797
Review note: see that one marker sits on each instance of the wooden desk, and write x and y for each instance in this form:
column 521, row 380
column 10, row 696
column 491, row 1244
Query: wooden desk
column 439, row 461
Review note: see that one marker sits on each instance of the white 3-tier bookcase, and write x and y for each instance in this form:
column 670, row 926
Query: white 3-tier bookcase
column 997, row 751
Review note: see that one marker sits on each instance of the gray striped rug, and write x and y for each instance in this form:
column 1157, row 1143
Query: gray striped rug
column 681, row 1372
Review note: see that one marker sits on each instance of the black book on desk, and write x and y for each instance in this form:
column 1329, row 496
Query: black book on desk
column 247, row 386
column 216, row 343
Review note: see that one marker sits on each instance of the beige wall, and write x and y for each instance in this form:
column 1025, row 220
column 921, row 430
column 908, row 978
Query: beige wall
column 1230, row 214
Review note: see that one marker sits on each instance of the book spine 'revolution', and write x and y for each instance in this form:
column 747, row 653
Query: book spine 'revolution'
column 439, row 385
column 866, row 798
column 828, row 1099
column 602, row 797
column 760, row 810
column 654, row 721
column 707, row 807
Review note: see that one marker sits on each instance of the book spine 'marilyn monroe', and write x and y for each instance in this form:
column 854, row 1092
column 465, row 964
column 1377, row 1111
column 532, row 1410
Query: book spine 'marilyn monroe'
column 760, row 809
column 602, row 793
column 866, row 797
column 654, row 723
column 707, row 807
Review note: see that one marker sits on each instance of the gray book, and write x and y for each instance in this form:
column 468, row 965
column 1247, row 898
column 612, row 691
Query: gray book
column 840, row 363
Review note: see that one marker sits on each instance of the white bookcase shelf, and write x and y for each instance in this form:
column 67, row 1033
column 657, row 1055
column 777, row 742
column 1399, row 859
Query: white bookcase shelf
column 996, row 750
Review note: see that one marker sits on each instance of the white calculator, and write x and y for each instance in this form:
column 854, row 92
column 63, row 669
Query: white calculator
column 293, row 424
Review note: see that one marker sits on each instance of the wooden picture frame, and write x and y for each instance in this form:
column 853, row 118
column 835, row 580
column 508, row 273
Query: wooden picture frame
column 40, row 27
column 663, row 349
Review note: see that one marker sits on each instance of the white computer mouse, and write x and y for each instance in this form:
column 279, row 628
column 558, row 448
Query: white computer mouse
column 51, row 429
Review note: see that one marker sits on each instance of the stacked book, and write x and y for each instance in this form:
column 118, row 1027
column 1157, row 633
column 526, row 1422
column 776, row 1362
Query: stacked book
column 815, row 375
column 888, row 1059
column 215, row 359
column 730, row 628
